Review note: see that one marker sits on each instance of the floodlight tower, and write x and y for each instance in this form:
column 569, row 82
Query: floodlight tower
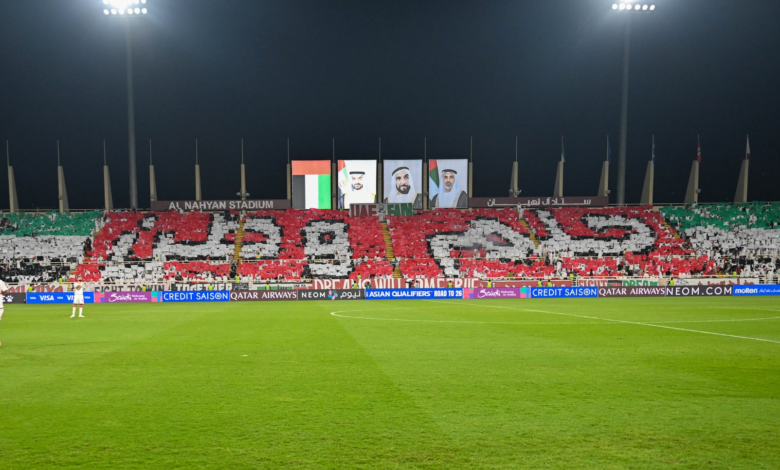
column 629, row 8
column 128, row 9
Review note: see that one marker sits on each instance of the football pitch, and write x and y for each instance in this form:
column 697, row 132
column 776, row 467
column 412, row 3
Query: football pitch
column 596, row 383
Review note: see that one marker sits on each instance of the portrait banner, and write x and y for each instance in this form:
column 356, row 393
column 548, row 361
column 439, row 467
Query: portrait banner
column 403, row 182
column 448, row 184
column 357, row 182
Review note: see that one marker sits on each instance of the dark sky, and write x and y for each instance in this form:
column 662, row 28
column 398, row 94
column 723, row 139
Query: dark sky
column 358, row 70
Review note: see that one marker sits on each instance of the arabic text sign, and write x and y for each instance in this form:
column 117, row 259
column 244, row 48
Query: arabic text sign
column 595, row 201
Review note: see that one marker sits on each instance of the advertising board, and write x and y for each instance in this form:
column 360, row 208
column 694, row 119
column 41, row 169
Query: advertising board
column 563, row 292
column 498, row 293
column 13, row 298
column 262, row 295
column 220, row 205
column 57, row 298
column 194, row 296
column 331, row 294
column 632, row 291
column 397, row 294
column 123, row 297
column 698, row 291
column 766, row 289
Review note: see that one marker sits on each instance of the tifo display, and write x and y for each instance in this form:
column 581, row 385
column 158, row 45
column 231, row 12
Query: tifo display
column 379, row 249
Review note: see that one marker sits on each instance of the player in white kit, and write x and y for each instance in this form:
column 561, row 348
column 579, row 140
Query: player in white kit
column 78, row 298
column 3, row 291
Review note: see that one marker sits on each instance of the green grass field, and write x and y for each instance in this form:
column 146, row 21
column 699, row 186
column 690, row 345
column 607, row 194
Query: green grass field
column 409, row 384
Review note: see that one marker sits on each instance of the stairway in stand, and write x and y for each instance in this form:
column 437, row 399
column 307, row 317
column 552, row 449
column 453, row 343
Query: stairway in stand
column 531, row 232
column 389, row 252
column 239, row 239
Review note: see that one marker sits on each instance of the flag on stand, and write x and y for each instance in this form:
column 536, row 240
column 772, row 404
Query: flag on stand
column 433, row 173
column 343, row 177
column 747, row 150
column 609, row 151
column 698, row 149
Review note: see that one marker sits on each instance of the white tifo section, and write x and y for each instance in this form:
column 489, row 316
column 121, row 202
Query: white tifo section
column 50, row 246
column 269, row 247
column 643, row 236
column 312, row 190
column 612, row 320
column 339, row 248
column 152, row 272
column 747, row 241
column 477, row 238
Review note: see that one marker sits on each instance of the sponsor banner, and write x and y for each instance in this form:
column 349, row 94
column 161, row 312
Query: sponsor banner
column 594, row 201
column 194, row 296
column 498, row 293
column 766, row 289
column 57, row 298
column 716, row 281
column 258, row 295
column 378, row 294
column 434, row 283
column 698, row 291
column 150, row 287
column 563, row 292
column 526, row 283
column 14, row 298
column 331, row 294
column 122, row 297
column 380, row 210
column 632, row 291
column 220, row 205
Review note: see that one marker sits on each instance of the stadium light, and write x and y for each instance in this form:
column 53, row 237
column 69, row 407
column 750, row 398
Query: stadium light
column 132, row 8
column 120, row 7
column 630, row 5
column 626, row 6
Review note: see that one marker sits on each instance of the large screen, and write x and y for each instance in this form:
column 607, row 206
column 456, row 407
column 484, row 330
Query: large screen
column 403, row 182
column 357, row 182
column 448, row 182
column 311, row 184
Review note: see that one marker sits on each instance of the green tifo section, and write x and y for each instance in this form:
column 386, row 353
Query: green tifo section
column 51, row 223
column 478, row 384
column 724, row 216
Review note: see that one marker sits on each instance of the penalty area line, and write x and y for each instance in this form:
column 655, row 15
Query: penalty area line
column 623, row 321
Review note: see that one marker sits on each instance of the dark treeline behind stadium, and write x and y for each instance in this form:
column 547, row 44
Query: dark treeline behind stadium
column 400, row 70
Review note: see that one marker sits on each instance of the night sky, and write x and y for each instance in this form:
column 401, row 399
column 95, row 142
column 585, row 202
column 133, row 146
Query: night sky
column 358, row 70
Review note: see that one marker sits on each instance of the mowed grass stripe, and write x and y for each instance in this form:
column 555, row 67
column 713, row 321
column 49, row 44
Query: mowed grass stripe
column 550, row 393
column 305, row 394
column 160, row 386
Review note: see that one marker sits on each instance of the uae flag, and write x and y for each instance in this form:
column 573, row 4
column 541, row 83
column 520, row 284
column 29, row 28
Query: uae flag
column 433, row 173
column 311, row 184
column 698, row 149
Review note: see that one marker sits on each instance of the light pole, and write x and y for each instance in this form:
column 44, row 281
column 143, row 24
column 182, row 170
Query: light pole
column 628, row 7
column 129, row 9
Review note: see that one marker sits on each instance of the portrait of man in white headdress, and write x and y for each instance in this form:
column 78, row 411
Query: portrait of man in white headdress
column 360, row 184
column 402, row 188
column 450, row 195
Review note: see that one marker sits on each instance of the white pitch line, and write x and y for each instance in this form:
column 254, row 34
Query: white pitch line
column 336, row 314
column 623, row 321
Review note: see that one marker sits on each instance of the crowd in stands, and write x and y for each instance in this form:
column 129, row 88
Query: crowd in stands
column 131, row 246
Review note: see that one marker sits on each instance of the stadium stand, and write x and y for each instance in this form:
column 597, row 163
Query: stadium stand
column 327, row 244
column 738, row 238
